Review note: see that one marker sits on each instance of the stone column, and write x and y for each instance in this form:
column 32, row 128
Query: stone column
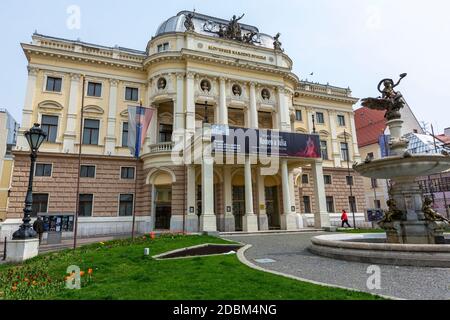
column 110, row 147
column 191, row 216
column 356, row 155
column 309, row 113
column 321, row 217
column 253, row 112
column 288, row 219
column 208, row 222
column 27, row 114
column 250, row 221
column 190, row 102
column 153, row 128
column 223, row 111
column 72, row 114
column 229, row 222
column 283, row 110
column 178, row 112
column 335, row 148
column 263, row 221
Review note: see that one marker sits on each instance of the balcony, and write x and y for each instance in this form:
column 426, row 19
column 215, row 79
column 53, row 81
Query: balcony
column 161, row 147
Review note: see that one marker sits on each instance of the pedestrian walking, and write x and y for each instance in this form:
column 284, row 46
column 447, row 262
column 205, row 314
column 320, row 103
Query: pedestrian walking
column 344, row 219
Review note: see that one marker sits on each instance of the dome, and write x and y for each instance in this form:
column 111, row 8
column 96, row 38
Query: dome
column 204, row 24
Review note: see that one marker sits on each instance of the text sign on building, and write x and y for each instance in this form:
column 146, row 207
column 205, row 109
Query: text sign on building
column 264, row 142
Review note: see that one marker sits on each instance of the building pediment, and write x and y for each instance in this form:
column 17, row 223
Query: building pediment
column 95, row 110
column 50, row 105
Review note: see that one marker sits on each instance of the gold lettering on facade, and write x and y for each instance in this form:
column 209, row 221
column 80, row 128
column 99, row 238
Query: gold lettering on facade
column 237, row 53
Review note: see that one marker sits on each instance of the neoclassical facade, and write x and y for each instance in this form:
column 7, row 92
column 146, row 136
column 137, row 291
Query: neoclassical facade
column 196, row 71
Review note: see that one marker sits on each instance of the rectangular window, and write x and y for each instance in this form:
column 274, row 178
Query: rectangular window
column 307, row 204
column 374, row 183
column 349, row 180
column 85, row 205
column 352, row 203
column 305, row 179
column 126, row 205
column 163, row 47
column 324, row 149
column 40, row 203
column 165, row 132
column 327, row 179
column 91, row 131
column 49, row 125
column 94, row 89
column 330, row 204
column 43, row 170
column 53, row 84
column 320, row 118
column 127, row 172
column 377, row 204
column 341, row 120
column 131, row 94
column 298, row 115
column 125, row 134
column 344, row 151
column 87, row 172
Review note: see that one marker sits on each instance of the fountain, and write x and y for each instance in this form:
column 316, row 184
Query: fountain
column 414, row 231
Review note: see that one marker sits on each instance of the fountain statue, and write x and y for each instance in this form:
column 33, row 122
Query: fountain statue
column 410, row 218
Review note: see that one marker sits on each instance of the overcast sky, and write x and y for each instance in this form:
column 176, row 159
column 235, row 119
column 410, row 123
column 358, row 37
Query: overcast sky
column 351, row 43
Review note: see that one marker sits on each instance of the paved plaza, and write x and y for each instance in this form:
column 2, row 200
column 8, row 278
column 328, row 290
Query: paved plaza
column 292, row 258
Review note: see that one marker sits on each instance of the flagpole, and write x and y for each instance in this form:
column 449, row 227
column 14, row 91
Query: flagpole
column 75, row 232
column 136, row 177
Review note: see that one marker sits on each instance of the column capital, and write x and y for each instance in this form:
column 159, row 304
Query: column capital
column 223, row 79
column 180, row 75
column 75, row 76
column 32, row 71
column 113, row 82
column 191, row 75
column 252, row 84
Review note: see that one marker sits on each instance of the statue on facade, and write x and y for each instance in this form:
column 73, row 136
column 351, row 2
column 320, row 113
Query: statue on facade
column 276, row 43
column 188, row 23
column 234, row 31
column 249, row 37
column 430, row 213
column 391, row 101
column 393, row 212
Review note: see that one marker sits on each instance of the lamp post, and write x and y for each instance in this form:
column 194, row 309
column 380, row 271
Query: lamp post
column 35, row 136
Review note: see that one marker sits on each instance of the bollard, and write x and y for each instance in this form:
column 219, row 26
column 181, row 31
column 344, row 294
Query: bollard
column 146, row 251
column 4, row 249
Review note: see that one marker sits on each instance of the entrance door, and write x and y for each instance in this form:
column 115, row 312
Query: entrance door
column 163, row 207
column 273, row 214
column 162, row 217
column 238, row 206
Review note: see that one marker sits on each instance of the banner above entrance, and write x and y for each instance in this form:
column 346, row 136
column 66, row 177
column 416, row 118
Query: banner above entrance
column 263, row 142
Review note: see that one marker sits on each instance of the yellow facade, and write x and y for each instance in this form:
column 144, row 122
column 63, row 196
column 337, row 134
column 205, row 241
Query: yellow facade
column 270, row 97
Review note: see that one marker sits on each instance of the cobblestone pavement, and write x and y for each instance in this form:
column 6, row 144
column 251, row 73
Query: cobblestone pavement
column 292, row 257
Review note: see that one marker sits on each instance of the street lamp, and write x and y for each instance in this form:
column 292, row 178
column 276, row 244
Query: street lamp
column 35, row 136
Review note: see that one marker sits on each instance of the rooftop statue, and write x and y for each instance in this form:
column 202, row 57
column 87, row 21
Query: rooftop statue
column 391, row 101
column 188, row 23
column 277, row 43
column 234, row 29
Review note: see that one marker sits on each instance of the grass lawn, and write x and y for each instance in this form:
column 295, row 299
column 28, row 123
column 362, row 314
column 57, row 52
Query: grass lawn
column 120, row 271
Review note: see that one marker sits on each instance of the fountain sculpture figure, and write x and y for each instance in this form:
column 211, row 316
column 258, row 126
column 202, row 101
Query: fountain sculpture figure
column 410, row 218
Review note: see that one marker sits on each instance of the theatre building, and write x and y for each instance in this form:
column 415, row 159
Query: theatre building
column 199, row 73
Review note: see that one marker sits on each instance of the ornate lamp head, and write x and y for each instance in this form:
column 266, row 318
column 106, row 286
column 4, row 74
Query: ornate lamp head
column 35, row 137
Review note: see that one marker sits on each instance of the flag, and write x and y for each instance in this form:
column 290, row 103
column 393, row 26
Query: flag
column 138, row 122
column 383, row 141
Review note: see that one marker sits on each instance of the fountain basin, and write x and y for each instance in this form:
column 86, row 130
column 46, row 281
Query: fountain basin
column 372, row 248
column 399, row 167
